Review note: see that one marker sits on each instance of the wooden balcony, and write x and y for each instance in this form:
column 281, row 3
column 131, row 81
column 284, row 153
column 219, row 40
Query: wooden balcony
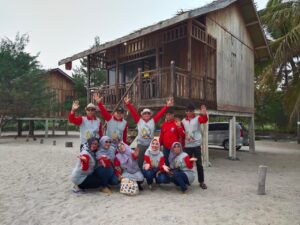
column 152, row 88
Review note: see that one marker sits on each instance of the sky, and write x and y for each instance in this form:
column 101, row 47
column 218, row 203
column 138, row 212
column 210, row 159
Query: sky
column 58, row 29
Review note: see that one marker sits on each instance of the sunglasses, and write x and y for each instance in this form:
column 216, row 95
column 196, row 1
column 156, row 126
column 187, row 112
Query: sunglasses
column 108, row 142
column 91, row 109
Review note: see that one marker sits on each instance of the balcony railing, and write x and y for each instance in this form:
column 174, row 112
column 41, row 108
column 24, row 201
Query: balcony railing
column 157, row 85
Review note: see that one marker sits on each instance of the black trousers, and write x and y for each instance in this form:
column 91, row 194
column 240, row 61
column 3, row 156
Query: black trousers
column 196, row 152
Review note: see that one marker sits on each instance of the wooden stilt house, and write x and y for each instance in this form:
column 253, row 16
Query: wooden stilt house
column 202, row 56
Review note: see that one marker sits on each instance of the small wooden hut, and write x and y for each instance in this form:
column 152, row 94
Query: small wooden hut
column 202, row 56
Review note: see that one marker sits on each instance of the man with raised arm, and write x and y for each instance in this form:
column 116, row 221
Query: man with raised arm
column 117, row 126
column 146, row 126
column 193, row 138
column 90, row 126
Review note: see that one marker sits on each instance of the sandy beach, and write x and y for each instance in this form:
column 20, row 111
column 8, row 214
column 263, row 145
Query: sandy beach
column 36, row 189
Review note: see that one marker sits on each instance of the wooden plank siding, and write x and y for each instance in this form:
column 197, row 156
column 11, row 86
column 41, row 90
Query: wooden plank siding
column 63, row 88
column 235, row 60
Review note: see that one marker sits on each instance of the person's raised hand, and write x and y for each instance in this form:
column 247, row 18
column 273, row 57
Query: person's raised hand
column 170, row 102
column 127, row 99
column 75, row 105
column 193, row 159
column 97, row 97
column 203, row 110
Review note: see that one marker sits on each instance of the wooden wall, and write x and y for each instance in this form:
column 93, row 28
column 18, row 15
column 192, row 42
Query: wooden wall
column 176, row 51
column 62, row 87
column 235, row 60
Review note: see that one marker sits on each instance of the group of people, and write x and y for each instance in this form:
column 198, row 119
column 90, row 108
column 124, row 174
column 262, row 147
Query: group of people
column 105, row 160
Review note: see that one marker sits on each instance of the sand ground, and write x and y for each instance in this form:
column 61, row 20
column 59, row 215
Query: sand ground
column 35, row 188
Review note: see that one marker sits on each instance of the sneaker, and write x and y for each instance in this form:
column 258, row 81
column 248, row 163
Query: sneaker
column 77, row 189
column 150, row 187
column 106, row 190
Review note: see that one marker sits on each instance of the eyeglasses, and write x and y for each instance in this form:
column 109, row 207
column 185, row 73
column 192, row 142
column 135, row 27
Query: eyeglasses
column 108, row 142
column 91, row 109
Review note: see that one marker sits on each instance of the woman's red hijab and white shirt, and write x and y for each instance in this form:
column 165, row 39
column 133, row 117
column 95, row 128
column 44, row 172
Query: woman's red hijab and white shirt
column 154, row 158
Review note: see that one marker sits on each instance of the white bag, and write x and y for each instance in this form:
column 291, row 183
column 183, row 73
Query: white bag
column 129, row 187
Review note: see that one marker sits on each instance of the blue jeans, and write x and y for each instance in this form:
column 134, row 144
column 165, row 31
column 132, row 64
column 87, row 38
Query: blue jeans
column 106, row 175
column 151, row 174
column 166, row 153
column 180, row 179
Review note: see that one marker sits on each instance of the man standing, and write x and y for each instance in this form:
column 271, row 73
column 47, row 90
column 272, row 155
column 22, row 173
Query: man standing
column 146, row 126
column 90, row 125
column 193, row 137
column 171, row 131
column 116, row 125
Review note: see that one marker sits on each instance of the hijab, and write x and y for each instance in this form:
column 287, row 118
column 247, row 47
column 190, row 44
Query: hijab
column 173, row 155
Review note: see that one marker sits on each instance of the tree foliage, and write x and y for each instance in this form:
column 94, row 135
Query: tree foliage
column 22, row 87
column 80, row 75
column 281, row 19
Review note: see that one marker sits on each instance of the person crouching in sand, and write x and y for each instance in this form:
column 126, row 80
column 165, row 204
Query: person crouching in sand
column 126, row 165
column 181, row 166
column 154, row 165
column 105, row 171
column 83, row 174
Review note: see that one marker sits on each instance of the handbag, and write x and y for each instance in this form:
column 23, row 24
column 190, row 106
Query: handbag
column 129, row 187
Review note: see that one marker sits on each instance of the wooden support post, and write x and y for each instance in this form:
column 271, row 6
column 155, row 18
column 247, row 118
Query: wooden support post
column 205, row 149
column 67, row 128
column 232, row 138
column 139, row 88
column 88, row 97
column 69, row 144
column 251, row 134
column 46, row 128
column 117, row 89
column 31, row 128
column 262, row 175
column 298, row 126
column 189, row 55
column 20, row 126
column 53, row 127
column 172, row 79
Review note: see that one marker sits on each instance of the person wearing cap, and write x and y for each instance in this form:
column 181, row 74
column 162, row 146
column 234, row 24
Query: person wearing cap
column 90, row 125
column 171, row 131
column 146, row 125
column 193, row 137
column 117, row 126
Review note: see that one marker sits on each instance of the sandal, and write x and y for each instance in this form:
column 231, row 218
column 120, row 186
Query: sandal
column 203, row 185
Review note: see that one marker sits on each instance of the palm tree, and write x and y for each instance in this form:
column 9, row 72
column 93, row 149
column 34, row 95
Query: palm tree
column 281, row 19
